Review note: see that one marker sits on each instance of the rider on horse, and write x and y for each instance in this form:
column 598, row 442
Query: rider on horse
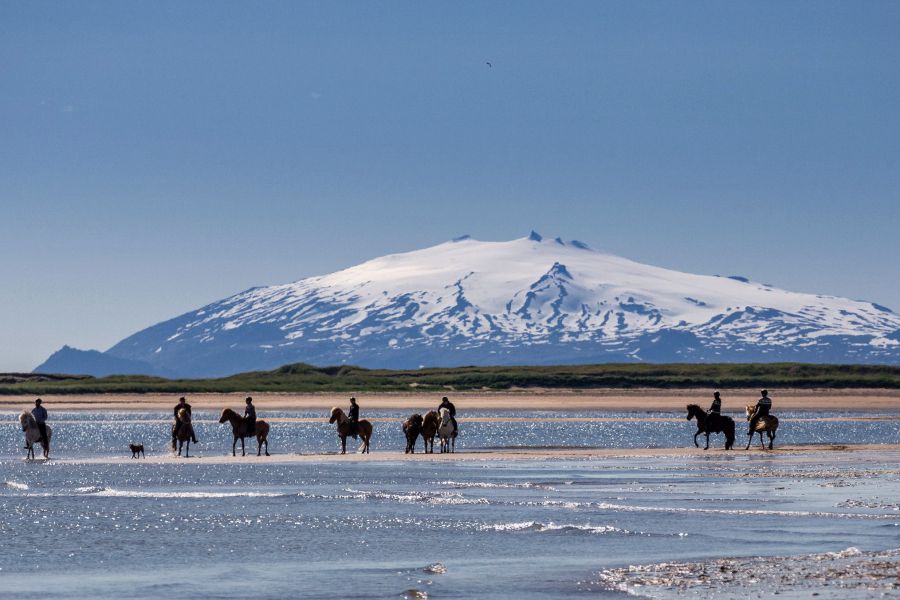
column 250, row 418
column 182, row 404
column 763, row 406
column 353, row 417
column 40, row 416
column 445, row 403
column 716, row 406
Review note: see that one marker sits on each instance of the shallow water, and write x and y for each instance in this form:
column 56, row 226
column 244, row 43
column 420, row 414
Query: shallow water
column 454, row 529
column 103, row 434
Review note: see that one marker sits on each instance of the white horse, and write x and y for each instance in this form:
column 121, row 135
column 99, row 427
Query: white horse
column 445, row 432
column 33, row 434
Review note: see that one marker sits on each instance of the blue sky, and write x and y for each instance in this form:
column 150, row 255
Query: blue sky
column 158, row 156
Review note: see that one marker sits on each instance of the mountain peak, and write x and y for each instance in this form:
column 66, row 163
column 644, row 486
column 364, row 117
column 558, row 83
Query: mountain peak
column 534, row 236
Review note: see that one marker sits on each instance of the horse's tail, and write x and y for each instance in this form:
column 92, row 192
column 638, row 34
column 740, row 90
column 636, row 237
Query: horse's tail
column 728, row 428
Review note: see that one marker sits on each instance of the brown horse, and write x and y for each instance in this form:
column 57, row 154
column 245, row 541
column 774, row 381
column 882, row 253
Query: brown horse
column 768, row 423
column 238, row 430
column 411, row 429
column 184, row 433
column 430, row 425
column 363, row 429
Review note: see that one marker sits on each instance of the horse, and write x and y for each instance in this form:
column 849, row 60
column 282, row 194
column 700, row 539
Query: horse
column 768, row 423
column 33, row 434
column 446, row 433
column 430, row 425
column 713, row 423
column 183, row 434
column 411, row 429
column 363, row 429
column 238, row 430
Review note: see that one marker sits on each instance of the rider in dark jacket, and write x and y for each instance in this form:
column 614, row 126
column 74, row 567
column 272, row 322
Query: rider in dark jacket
column 353, row 416
column 40, row 417
column 445, row 403
column 182, row 403
column 716, row 406
column 763, row 406
column 250, row 417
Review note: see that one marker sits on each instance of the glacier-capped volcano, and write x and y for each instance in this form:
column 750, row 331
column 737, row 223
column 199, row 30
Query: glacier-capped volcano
column 526, row 301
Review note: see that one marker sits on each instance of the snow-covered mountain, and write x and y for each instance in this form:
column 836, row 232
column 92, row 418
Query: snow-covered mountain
column 526, row 301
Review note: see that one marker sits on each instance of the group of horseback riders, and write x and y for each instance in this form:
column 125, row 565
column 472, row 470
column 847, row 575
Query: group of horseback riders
column 353, row 415
column 763, row 407
column 182, row 414
column 249, row 419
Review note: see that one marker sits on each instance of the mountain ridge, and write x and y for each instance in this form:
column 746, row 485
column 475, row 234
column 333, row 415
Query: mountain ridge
column 526, row 301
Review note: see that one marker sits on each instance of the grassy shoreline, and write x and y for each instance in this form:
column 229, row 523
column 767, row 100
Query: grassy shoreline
column 302, row 378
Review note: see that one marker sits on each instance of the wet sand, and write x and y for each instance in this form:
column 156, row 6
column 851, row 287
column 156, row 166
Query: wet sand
column 855, row 400
column 789, row 455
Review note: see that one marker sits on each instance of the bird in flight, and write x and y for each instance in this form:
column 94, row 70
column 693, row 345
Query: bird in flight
column 489, row 64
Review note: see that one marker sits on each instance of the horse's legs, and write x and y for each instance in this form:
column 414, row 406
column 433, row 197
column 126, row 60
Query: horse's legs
column 771, row 439
column 762, row 442
column 343, row 444
column 233, row 446
column 699, row 431
column 243, row 449
column 749, row 441
column 707, row 441
column 267, row 445
column 187, row 448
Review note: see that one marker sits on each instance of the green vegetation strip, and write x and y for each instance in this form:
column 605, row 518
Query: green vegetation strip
column 302, row 378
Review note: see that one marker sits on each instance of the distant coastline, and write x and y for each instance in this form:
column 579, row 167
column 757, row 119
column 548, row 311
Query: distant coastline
column 305, row 379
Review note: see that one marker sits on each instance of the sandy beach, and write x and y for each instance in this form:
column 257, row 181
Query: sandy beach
column 861, row 400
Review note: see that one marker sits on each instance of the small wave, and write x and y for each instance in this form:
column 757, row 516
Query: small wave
column 739, row 512
column 847, row 553
column 493, row 485
column 113, row 493
column 436, row 569
column 16, row 485
column 551, row 526
column 424, row 497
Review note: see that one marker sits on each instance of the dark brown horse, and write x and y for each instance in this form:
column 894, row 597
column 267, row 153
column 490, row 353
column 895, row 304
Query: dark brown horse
column 239, row 431
column 429, row 431
column 768, row 423
column 183, row 434
column 344, row 429
column 713, row 423
column 411, row 429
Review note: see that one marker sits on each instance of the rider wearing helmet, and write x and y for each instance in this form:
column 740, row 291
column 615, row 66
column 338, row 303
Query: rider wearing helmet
column 353, row 417
column 250, row 417
column 40, row 416
column 445, row 403
column 182, row 404
column 763, row 406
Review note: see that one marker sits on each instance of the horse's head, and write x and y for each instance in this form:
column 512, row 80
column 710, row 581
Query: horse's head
column 25, row 420
column 225, row 415
column 445, row 415
column 184, row 416
column 750, row 410
column 692, row 409
column 416, row 420
column 335, row 414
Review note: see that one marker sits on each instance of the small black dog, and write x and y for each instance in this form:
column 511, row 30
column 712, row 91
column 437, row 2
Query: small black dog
column 137, row 449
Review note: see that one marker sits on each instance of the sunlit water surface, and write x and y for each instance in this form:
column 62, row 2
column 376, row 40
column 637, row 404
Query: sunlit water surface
column 458, row 529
